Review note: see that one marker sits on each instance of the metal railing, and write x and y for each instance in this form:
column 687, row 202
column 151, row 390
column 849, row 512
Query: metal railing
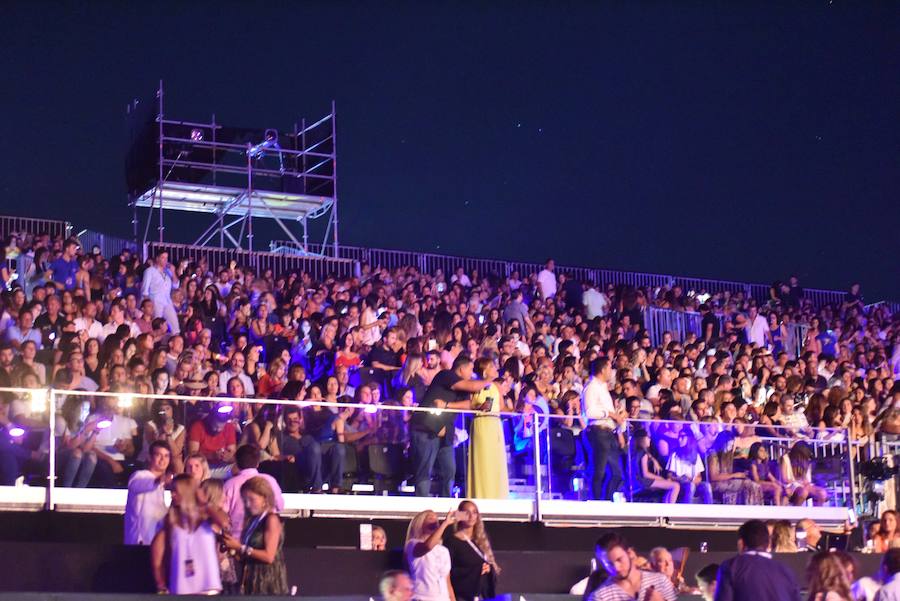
column 110, row 246
column 319, row 268
column 533, row 455
column 54, row 227
column 428, row 262
column 833, row 468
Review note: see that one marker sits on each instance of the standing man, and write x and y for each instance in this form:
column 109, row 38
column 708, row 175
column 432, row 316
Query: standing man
column 145, row 508
column 757, row 329
column 65, row 267
column 247, row 459
column 753, row 575
column 603, row 419
column 547, row 280
column 431, row 433
column 157, row 286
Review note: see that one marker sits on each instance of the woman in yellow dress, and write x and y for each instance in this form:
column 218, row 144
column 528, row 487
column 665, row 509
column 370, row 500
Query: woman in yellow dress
column 487, row 476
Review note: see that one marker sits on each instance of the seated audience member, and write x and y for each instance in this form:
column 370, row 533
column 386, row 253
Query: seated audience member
column 379, row 539
column 396, row 585
column 784, row 539
column 215, row 437
column 114, row 442
column 796, row 475
column 626, row 582
column 888, row 536
column 809, row 532
column 661, row 562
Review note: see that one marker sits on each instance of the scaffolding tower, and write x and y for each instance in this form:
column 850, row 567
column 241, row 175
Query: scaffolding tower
column 235, row 174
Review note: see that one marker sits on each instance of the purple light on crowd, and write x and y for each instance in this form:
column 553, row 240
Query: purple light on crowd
column 103, row 424
column 17, row 431
column 225, row 409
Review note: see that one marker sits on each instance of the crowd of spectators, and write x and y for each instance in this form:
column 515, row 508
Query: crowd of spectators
column 565, row 355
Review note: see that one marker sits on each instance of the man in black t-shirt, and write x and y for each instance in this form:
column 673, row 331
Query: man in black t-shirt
column 431, row 434
column 383, row 359
column 709, row 326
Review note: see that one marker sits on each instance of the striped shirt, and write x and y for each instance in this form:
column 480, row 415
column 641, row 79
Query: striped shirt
column 611, row 591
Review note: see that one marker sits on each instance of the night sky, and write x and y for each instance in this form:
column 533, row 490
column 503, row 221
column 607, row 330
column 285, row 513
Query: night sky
column 674, row 137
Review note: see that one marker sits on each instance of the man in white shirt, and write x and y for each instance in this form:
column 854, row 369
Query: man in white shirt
column 603, row 419
column 236, row 369
column 247, row 460
column 757, row 329
column 88, row 322
column 595, row 302
column 547, row 280
column 145, row 508
column 116, row 319
column 157, row 286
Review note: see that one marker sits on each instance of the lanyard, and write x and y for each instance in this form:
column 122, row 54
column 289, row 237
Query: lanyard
column 475, row 548
column 253, row 526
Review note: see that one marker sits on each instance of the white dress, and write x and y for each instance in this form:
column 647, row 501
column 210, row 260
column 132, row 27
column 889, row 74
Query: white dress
column 194, row 561
column 429, row 572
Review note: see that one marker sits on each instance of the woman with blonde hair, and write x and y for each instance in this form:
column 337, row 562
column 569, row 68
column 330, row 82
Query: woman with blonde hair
column 827, row 578
column 474, row 570
column 197, row 467
column 189, row 541
column 428, row 559
column 214, row 489
column 260, row 549
column 783, row 539
column 273, row 380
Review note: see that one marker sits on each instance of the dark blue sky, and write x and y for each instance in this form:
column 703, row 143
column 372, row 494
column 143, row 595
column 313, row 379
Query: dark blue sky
column 708, row 139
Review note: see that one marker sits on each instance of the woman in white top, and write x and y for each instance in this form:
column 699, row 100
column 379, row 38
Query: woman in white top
column 189, row 541
column 428, row 559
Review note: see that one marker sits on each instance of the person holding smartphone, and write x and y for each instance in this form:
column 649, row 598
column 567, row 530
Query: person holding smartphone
column 487, row 476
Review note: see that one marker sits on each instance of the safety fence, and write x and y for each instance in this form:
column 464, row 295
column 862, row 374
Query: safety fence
column 681, row 325
column 319, row 268
column 429, row 262
column 93, row 441
column 110, row 246
column 10, row 224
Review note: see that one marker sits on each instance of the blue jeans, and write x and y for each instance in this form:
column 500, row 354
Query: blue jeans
column 78, row 467
column 426, row 450
column 606, row 465
column 321, row 462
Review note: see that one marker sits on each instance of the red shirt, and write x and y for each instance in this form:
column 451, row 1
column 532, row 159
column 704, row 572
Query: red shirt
column 210, row 444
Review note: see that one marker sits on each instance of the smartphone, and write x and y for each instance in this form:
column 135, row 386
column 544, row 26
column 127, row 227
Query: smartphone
column 462, row 515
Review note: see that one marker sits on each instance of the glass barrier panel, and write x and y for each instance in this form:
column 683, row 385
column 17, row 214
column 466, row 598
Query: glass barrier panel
column 98, row 440
column 24, row 437
column 736, row 464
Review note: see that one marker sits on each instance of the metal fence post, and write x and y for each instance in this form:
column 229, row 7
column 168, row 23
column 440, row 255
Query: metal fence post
column 535, row 434
column 51, row 468
column 630, row 464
